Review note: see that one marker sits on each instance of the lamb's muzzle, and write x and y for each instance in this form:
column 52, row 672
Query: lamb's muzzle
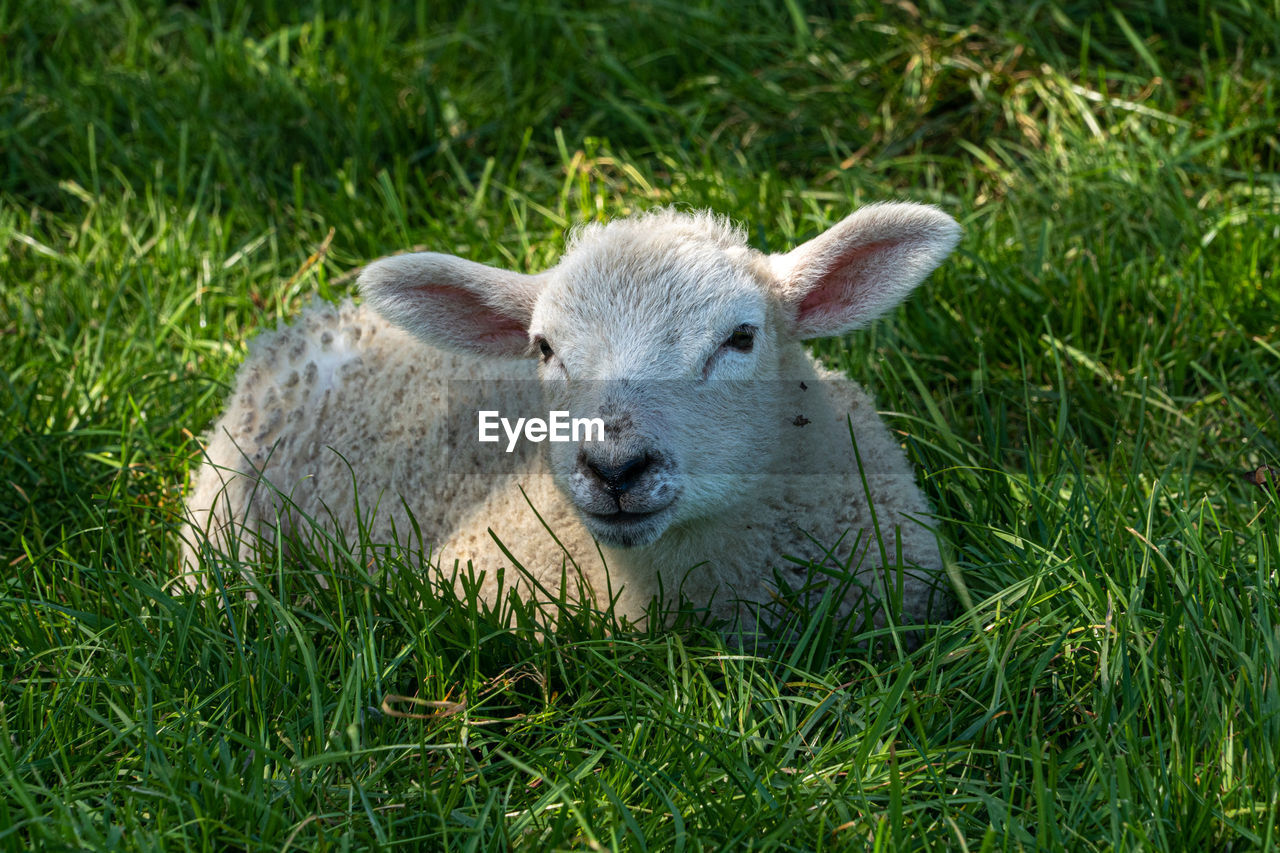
column 625, row 494
column 620, row 478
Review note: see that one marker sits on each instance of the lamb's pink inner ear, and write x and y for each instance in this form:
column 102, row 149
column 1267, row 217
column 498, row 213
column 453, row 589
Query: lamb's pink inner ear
column 453, row 303
column 863, row 267
column 479, row 326
column 842, row 293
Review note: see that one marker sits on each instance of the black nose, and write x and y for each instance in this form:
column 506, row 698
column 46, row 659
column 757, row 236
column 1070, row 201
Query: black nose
column 616, row 479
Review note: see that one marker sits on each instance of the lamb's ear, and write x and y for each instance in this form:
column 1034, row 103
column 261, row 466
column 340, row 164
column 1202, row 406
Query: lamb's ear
column 863, row 266
column 450, row 302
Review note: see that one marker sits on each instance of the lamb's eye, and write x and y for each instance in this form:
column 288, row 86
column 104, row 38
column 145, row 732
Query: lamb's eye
column 742, row 339
column 545, row 349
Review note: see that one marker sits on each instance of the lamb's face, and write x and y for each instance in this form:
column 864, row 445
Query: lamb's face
column 671, row 330
column 673, row 344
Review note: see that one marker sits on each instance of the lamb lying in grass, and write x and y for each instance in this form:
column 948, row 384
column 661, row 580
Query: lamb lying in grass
column 726, row 460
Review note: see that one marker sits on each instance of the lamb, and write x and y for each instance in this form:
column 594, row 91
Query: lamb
column 730, row 459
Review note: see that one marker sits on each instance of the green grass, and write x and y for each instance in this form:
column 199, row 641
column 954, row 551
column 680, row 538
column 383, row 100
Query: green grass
column 1083, row 388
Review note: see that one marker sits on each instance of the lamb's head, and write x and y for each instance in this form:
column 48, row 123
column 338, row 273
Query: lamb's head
column 673, row 332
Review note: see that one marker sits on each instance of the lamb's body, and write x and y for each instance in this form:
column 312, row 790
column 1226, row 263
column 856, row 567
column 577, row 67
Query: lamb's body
column 342, row 397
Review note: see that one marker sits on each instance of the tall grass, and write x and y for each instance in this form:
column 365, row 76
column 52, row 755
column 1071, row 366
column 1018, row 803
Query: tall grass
column 1084, row 388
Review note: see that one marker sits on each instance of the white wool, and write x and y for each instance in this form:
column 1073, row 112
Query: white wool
column 727, row 455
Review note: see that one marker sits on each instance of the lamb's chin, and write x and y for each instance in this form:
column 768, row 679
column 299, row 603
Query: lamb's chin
column 627, row 529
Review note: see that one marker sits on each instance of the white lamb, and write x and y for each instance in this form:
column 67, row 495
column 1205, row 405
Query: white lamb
column 726, row 460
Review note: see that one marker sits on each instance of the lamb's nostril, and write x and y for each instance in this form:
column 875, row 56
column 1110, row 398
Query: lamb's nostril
column 618, row 478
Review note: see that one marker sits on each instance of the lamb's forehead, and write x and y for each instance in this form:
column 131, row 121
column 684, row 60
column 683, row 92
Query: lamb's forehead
column 702, row 228
column 679, row 264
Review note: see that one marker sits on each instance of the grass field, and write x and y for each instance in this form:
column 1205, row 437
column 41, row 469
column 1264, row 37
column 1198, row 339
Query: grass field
column 1083, row 388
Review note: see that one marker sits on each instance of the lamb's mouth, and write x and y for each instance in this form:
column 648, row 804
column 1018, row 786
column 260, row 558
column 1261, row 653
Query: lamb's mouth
column 623, row 529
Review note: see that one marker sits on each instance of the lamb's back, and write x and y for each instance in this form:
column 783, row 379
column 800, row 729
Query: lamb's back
column 340, row 398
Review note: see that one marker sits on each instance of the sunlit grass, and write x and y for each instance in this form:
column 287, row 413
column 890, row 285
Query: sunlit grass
column 1084, row 388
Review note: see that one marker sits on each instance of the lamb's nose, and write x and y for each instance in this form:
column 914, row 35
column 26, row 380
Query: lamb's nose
column 617, row 479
